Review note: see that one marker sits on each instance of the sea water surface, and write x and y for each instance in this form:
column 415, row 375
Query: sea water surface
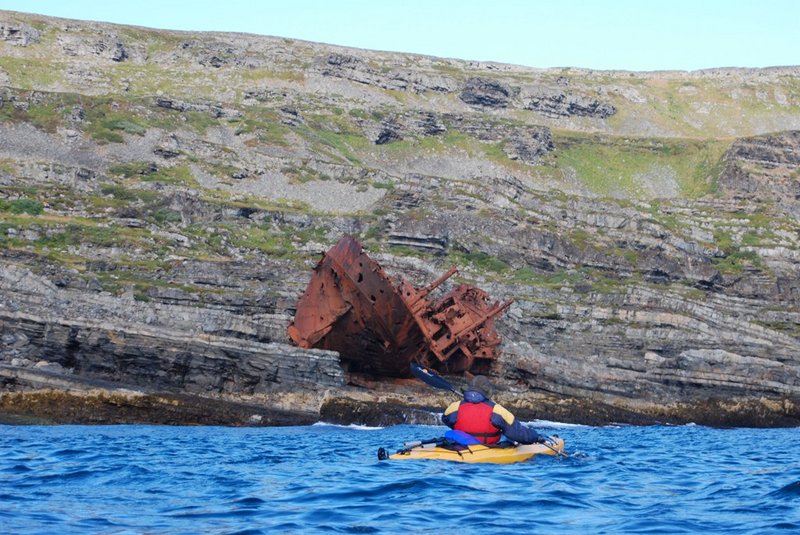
column 327, row 479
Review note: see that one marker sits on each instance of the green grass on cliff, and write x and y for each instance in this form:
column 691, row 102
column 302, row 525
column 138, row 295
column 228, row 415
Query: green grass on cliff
column 47, row 112
column 266, row 240
column 21, row 206
column 108, row 119
column 264, row 124
column 148, row 172
column 32, row 73
column 640, row 169
column 54, row 236
column 479, row 261
column 450, row 142
column 704, row 107
column 335, row 136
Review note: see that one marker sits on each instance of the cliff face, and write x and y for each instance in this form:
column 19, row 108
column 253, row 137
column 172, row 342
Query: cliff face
column 164, row 195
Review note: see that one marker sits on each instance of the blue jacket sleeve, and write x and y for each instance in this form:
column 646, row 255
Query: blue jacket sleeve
column 520, row 433
column 512, row 428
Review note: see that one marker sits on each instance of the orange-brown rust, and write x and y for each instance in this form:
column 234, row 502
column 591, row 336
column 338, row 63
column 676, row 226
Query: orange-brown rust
column 379, row 326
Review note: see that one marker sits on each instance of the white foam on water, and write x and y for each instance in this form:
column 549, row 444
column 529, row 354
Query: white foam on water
column 550, row 424
column 350, row 426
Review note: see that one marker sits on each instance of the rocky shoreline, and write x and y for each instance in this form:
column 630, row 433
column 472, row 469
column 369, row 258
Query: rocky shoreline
column 386, row 405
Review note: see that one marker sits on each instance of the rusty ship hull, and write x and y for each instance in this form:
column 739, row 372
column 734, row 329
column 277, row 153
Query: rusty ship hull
column 380, row 325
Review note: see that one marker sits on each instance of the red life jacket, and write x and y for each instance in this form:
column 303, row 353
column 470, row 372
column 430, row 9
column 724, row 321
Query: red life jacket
column 475, row 419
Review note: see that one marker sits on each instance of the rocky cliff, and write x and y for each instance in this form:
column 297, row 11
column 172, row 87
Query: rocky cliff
column 164, row 195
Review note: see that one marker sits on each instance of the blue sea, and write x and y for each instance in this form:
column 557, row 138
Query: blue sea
column 327, row 479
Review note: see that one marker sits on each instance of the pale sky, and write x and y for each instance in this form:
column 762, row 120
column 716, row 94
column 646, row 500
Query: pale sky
column 639, row 35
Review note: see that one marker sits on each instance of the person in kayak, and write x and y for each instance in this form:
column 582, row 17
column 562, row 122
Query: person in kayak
column 484, row 419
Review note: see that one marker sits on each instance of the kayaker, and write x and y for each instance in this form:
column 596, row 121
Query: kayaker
column 484, row 419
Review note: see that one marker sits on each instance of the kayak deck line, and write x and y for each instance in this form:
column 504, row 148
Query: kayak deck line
column 478, row 453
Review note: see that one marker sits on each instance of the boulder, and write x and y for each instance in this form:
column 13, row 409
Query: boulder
column 18, row 33
column 563, row 104
column 486, row 93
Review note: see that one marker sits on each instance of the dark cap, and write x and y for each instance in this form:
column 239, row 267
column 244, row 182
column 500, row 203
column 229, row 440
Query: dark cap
column 482, row 385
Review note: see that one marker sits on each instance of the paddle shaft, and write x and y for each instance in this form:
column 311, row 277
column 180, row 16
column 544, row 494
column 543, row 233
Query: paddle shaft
column 432, row 378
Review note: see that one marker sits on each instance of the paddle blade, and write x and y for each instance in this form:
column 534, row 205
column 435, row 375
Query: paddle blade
column 430, row 377
column 416, row 443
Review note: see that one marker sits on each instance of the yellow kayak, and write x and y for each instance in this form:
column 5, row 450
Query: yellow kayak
column 482, row 454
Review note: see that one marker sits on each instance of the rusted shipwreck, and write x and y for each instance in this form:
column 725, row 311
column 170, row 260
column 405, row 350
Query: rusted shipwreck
column 380, row 325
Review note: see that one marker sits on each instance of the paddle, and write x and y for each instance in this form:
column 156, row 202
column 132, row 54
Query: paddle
column 383, row 454
column 435, row 380
column 416, row 443
column 432, row 378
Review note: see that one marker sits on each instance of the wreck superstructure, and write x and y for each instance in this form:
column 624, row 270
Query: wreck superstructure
column 379, row 325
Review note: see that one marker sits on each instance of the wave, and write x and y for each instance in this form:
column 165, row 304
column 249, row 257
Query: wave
column 348, row 426
column 552, row 424
column 792, row 489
